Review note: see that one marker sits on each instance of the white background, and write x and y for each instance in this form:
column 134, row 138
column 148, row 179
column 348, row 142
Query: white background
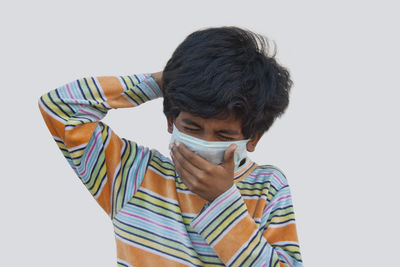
column 337, row 143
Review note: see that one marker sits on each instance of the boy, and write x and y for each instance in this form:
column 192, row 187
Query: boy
column 209, row 205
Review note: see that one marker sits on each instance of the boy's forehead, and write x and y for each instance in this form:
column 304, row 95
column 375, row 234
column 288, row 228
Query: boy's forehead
column 231, row 121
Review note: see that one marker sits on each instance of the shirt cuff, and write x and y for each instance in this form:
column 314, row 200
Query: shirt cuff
column 220, row 216
column 149, row 85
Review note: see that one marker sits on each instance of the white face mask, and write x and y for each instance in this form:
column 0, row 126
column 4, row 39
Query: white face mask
column 211, row 151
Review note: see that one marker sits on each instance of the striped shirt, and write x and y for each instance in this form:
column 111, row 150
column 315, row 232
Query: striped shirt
column 157, row 220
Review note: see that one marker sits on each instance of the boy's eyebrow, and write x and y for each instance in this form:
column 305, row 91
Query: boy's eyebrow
column 190, row 122
column 230, row 132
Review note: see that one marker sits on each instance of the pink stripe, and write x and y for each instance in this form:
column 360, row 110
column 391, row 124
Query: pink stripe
column 214, row 206
column 152, row 222
column 150, row 87
column 200, row 243
column 70, row 94
column 268, row 173
column 90, row 113
column 82, row 110
column 273, row 204
column 284, row 257
column 90, row 153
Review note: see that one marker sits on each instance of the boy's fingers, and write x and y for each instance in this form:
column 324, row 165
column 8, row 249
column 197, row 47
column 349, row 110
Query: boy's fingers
column 193, row 158
column 183, row 161
column 185, row 176
column 229, row 154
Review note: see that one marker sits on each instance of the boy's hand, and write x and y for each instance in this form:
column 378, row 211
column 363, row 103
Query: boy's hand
column 201, row 176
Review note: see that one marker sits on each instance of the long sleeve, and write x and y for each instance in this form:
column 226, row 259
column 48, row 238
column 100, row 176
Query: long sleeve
column 239, row 240
column 110, row 167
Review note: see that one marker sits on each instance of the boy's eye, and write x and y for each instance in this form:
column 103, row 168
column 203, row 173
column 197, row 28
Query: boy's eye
column 189, row 129
column 226, row 138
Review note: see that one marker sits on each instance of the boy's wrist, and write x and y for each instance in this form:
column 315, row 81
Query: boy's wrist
column 157, row 76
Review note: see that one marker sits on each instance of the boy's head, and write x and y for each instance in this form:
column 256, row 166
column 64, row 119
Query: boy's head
column 225, row 75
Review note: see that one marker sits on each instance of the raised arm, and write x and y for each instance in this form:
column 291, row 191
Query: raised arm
column 104, row 162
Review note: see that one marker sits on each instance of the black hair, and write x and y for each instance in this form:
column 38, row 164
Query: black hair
column 219, row 71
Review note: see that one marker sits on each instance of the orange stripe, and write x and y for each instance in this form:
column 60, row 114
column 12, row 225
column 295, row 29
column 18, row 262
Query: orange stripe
column 112, row 154
column 191, row 203
column 255, row 207
column 235, row 239
column 243, row 169
column 139, row 257
column 159, row 185
column 55, row 127
column 284, row 233
column 166, row 188
column 80, row 134
column 112, row 90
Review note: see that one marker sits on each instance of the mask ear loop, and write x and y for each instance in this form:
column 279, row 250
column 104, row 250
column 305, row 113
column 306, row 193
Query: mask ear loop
column 175, row 133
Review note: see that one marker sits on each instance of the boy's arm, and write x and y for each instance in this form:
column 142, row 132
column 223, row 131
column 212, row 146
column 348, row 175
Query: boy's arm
column 238, row 240
column 103, row 161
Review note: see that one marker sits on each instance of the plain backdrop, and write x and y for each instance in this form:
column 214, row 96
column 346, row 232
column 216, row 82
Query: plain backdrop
column 337, row 143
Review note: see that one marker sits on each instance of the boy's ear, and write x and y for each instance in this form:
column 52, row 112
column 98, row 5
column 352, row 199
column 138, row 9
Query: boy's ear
column 170, row 123
column 252, row 143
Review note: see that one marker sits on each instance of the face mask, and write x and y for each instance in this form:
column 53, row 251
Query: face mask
column 211, row 151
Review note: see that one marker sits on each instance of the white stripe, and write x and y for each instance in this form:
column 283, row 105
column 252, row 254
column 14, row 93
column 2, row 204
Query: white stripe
column 186, row 192
column 154, row 251
column 281, row 224
column 253, row 197
column 189, row 215
column 283, row 243
column 168, row 177
column 73, row 149
column 50, row 113
column 153, row 194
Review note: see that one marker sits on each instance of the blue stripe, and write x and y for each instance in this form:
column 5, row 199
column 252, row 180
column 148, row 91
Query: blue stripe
column 92, row 160
column 152, row 248
column 152, row 210
column 134, row 170
column 125, row 173
column 140, row 89
column 220, row 214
